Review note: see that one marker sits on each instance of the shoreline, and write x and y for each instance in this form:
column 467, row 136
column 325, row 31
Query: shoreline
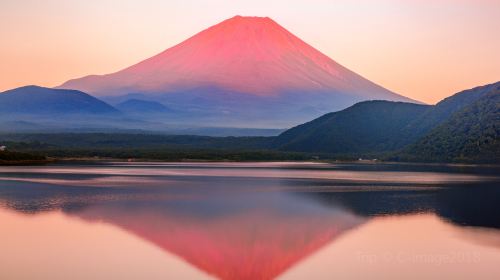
column 25, row 162
column 69, row 160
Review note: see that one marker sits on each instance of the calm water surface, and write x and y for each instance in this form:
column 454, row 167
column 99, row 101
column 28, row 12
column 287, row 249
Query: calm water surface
column 249, row 221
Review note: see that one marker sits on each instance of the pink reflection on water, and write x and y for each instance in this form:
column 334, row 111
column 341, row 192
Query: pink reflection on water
column 226, row 234
column 259, row 244
column 53, row 246
column 404, row 247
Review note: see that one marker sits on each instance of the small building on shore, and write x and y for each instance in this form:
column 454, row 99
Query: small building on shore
column 2, row 148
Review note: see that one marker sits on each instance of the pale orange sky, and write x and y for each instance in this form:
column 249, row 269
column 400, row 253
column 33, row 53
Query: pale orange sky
column 425, row 50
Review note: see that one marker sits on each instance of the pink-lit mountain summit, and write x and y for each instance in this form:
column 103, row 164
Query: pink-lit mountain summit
column 242, row 70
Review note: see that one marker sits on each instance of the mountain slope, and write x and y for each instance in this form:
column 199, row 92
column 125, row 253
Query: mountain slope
column 461, row 126
column 34, row 100
column 365, row 127
column 245, row 68
column 444, row 109
column 471, row 134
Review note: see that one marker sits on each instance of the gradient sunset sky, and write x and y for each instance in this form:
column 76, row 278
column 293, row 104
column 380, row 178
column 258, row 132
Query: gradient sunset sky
column 425, row 50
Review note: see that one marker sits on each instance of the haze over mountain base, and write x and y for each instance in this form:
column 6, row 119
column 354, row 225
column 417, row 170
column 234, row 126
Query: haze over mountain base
column 462, row 128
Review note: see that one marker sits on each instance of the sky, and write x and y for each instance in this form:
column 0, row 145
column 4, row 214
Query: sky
column 425, row 50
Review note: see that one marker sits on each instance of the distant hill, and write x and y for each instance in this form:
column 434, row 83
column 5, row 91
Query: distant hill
column 365, row 127
column 35, row 100
column 138, row 106
column 463, row 126
column 471, row 134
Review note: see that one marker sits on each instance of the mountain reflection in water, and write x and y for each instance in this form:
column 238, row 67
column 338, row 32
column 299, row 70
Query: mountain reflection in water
column 256, row 220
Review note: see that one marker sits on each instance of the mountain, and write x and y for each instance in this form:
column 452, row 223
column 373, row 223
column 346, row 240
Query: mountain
column 34, row 100
column 365, row 127
column 137, row 106
column 471, row 134
column 444, row 109
column 242, row 70
column 465, row 125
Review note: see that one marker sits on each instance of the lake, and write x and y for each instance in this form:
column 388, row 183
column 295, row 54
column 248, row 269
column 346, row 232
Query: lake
column 249, row 221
